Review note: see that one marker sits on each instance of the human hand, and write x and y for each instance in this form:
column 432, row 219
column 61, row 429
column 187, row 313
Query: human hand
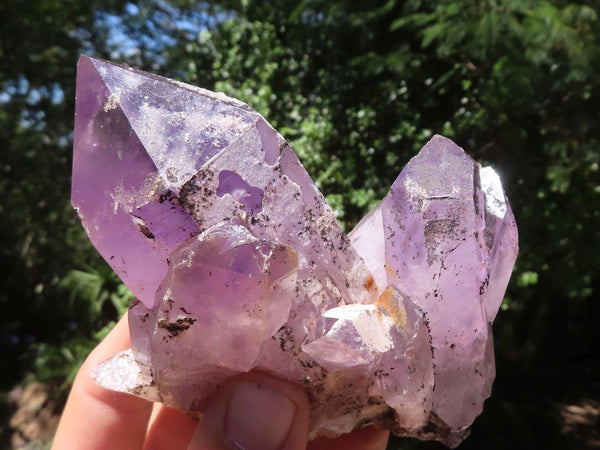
column 253, row 411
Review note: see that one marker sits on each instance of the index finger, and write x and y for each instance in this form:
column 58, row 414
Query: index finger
column 96, row 418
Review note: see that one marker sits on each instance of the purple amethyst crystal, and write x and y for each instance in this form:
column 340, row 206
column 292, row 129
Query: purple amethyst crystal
column 238, row 262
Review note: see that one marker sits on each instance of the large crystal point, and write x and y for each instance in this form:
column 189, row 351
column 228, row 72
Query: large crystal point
column 447, row 237
column 177, row 160
column 239, row 264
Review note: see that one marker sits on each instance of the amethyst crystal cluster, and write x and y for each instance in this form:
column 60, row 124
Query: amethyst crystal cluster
column 239, row 264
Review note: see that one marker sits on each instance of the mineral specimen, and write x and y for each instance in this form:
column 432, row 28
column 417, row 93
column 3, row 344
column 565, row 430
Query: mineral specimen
column 239, row 264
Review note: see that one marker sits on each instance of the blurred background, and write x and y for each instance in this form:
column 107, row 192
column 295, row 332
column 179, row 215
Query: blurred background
column 357, row 87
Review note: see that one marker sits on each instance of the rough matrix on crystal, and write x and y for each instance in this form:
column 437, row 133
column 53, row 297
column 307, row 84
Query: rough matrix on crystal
column 239, row 264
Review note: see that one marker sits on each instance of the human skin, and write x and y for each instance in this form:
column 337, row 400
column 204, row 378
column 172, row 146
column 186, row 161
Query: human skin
column 97, row 418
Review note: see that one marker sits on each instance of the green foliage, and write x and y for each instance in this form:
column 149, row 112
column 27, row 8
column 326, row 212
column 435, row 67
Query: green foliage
column 93, row 289
column 94, row 297
column 40, row 238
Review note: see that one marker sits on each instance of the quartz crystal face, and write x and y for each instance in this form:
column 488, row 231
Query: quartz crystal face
column 238, row 262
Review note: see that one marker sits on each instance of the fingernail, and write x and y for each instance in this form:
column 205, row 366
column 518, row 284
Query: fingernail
column 258, row 418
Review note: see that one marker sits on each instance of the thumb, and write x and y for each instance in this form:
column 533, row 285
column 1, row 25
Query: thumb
column 254, row 411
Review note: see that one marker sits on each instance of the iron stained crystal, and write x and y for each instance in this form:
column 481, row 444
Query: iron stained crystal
column 238, row 263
